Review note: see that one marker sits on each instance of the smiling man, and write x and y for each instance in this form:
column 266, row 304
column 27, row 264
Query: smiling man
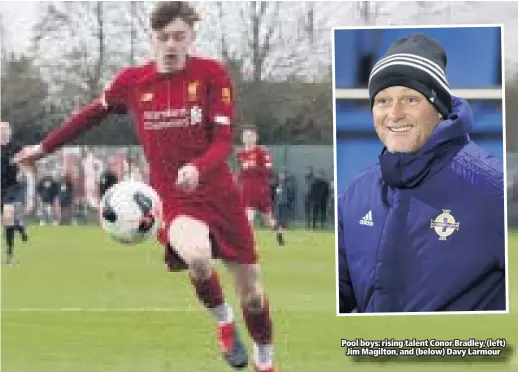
column 423, row 229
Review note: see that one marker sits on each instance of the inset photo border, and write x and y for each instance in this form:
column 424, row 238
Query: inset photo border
column 420, row 170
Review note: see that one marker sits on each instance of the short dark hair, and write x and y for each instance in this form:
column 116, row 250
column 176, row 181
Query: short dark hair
column 167, row 11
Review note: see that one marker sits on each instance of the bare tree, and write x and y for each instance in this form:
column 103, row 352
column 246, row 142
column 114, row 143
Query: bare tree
column 274, row 40
column 261, row 46
column 74, row 66
column 271, row 47
column 79, row 67
column 23, row 96
column 368, row 11
column 3, row 48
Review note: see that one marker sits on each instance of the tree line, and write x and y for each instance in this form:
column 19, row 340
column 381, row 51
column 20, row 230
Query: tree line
column 284, row 112
column 279, row 55
column 281, row 87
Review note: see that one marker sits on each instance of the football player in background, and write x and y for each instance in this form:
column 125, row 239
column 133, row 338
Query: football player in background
column 48, row 191
column 13, row 192
column 255, row 171
column 183, row 110
column 66, row 199
column 283, row 198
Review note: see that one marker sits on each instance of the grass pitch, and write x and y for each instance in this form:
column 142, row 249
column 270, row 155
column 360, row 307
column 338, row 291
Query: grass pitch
column 76, row 301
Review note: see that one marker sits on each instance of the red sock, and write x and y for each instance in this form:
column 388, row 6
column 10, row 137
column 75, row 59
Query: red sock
column 209, row 290
column 259, row 324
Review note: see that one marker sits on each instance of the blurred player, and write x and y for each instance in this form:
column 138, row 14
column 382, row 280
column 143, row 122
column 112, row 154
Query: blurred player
column 183, row 108
column 48, row 191
column 254, row 176
column 72, row 166
column 283, row 200
column 108, row 177
column 12, row 192
column 66, row 199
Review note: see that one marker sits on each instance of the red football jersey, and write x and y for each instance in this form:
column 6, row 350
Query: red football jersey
column 255, row 163
column 180, row 118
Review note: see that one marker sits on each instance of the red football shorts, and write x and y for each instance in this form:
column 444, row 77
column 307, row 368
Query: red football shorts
column 231, row 236
column 257, row 196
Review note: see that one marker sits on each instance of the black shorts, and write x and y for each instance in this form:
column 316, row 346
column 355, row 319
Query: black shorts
column 48, row 200
column 10, row 196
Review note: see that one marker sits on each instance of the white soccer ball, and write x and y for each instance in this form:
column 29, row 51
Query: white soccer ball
column 130, row 212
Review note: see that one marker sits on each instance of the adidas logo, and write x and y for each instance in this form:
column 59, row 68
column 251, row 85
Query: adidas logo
column 367, row 219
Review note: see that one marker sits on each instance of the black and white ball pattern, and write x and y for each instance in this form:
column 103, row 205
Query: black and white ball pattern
column 130, row 212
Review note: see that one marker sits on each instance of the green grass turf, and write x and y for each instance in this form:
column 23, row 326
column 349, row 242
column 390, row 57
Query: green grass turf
column 137, row 317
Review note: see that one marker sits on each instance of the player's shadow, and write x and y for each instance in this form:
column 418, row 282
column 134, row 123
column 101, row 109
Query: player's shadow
column 504, row 357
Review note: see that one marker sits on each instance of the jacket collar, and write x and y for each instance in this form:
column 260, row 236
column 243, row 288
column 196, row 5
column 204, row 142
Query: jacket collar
column 410, row 170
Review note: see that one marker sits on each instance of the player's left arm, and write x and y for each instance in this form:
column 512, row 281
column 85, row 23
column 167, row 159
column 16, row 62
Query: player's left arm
column 221, row 113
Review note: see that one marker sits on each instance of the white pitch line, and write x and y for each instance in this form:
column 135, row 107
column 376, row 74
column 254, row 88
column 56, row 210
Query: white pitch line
column 98, row 309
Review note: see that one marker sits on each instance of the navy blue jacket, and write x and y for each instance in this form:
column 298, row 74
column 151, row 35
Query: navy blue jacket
column 425, row 231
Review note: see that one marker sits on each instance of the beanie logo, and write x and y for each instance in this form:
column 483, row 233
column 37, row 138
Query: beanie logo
column 432, row 98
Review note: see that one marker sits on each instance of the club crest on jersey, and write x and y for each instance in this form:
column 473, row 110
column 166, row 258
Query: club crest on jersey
column 225, row 96
column 196, row 115
column 146, row 97
column 192, row 91
column 444, row 224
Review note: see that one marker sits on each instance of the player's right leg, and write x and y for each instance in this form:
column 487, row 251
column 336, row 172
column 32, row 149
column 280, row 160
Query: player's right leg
column 191, row 241
column 282, row 221
column 19, row 220
column 9, row 230
column 274, row 224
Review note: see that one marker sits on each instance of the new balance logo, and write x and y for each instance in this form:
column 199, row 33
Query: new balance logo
column 367, row 219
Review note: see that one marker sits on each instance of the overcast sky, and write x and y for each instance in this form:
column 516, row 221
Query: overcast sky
column 18, row 18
